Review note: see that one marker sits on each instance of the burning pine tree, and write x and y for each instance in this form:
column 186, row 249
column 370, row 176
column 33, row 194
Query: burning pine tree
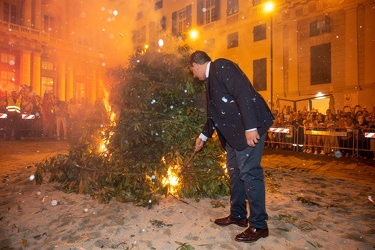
column 160, row 112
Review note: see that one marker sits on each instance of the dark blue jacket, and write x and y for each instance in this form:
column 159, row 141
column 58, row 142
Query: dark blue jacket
column 233, row 105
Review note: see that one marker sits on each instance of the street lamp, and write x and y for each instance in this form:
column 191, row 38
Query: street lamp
column 193, row 34
column 269, row 8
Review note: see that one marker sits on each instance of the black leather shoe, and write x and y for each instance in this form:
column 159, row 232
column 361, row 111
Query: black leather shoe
column 228, row 220
column 252, row 234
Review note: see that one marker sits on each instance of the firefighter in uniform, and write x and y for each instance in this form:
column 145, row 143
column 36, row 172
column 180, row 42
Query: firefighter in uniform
column 14, row 116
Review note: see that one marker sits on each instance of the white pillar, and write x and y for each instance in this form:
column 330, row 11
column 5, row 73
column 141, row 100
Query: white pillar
column 36, row 81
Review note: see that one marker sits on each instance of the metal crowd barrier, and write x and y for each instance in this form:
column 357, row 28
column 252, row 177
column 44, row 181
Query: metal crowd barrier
column 365, row 142
column 31, row 125
column 350, row 142
column 3, row 125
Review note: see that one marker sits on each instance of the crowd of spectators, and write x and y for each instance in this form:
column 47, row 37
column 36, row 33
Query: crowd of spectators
column 332, row 133
column 52, row 119
column 309, row 131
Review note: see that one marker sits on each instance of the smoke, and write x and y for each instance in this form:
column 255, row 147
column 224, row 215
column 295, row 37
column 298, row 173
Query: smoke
column 107, row 25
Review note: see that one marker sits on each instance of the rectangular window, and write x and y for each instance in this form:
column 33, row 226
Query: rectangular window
column 259, row 32
column 159, row 5
column 47, row 85
column 8, row 59
column 79, row 90
column 139, row 15
column 320, row 64
column 46, row 65
column 10, row 13
column 4, row 58
column 260, row 74
column 181, row 20
column 7, row 80
column 181, row 23
column 8, row 67
column 6, row 13
column 319, row 27
column 163, row 23
column 232, row 7
column 208, row 11
column 256, row 2
column 49, row 23
column 232, row 40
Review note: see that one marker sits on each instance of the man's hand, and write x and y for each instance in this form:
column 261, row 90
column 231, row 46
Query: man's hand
column 252, row 138
column 198, row 144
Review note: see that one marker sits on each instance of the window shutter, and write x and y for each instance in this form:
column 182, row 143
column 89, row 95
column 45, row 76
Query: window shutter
column 188, row 16
column 174, row 22
column 217, row 10
column 199, row 12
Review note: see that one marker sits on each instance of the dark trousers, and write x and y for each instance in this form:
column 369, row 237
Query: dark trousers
column 14, row 124
column 247, row 182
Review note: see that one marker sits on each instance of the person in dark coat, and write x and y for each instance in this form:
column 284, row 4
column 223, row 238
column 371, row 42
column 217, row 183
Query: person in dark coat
column 241, row 117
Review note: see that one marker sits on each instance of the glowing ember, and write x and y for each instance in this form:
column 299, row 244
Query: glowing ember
column 104, row 142
column 225, row 168
column 171, row 180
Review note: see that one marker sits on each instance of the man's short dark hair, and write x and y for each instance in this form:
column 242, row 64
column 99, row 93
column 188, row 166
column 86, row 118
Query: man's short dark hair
column 199, row 57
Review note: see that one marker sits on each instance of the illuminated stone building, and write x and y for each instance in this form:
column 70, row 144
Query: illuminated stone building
column 42, row 46
column 290, row 53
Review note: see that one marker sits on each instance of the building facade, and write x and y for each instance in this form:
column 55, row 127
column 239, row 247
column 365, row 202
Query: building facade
column 304, row 54
column 42, row 47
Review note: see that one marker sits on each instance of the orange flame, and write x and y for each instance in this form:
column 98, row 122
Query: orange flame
column 171, row 180
column 112, row 116
column 107, row 106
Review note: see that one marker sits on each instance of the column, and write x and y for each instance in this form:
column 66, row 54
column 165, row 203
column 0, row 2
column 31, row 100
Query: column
column 69, row 83
column 26, row 13
column 61, row 89
column 25, row 66
column 36, row 79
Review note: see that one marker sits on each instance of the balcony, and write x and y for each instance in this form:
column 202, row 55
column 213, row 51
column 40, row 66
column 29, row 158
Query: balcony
column 24, row 33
